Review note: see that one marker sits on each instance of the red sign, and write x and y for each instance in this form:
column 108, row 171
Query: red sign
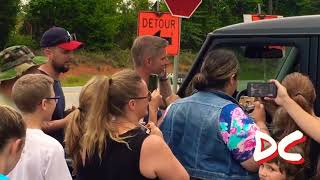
column 182, row 8
column 257, row 17
column 164, row 25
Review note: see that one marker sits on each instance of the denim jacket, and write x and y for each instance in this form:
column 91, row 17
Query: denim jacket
column 191, row 129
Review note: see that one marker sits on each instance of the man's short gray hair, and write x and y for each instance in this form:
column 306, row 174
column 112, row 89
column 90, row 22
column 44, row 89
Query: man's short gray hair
column 145, row 46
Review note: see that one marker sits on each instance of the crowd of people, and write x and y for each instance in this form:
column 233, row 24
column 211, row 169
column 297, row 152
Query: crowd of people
column 128, row 126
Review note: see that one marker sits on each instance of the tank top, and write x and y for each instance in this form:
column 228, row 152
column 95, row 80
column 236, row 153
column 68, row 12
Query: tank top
column 118, row 162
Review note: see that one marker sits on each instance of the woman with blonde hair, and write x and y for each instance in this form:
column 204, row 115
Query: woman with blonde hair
column 75, row 128
column 106, row 139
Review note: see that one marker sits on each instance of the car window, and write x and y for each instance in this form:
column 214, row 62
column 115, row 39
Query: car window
column 259, row 69
column 258, row 65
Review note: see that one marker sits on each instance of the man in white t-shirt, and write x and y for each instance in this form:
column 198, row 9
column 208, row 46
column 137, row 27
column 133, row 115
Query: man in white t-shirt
column 43, row 156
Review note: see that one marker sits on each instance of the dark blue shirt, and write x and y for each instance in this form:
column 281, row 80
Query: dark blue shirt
column 59, row 111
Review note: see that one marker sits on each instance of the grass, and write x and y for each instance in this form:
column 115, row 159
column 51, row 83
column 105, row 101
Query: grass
column 71, row 81
column 115, row 57
column 250, row 70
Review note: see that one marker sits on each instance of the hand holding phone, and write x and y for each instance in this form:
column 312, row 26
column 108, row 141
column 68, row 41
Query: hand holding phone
column 258, row 89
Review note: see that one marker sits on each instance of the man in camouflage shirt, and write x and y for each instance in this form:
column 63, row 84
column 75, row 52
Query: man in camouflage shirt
column 15, row 61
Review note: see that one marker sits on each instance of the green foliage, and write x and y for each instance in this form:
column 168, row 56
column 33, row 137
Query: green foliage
column 95, row 22
column 211, row 15
column 79, row 80
column 120, row 58
column 18, row 39
column 107, row 24
column 296, row 7
column 115, row 57
column 8, row 14
column 128, row 14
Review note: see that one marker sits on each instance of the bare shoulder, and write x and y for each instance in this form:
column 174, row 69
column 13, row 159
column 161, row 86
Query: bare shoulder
column 154, row 141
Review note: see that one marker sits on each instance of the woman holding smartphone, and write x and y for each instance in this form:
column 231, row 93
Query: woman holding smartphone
column 112, row 144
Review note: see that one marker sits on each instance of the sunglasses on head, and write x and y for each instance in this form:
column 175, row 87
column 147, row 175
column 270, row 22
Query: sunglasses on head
column 65, row 39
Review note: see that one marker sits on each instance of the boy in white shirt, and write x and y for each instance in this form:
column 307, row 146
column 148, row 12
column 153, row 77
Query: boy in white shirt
column 43, row 156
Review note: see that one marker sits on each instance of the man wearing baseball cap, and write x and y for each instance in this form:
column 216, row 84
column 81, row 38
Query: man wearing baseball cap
column 15, row 61
column 57, row 45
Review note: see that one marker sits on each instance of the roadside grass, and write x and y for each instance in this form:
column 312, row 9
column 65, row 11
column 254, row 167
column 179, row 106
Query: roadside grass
column 118, row 58
column 71, row 81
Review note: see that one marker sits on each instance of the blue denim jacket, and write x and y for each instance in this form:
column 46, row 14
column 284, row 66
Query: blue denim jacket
column 191, row 129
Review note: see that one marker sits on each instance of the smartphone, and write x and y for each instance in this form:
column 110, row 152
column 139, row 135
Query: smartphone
column 258, row 89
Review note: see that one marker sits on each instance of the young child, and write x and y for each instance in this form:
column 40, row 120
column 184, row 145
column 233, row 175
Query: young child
column 279, row 169
column 12, row 135
column 43, row 156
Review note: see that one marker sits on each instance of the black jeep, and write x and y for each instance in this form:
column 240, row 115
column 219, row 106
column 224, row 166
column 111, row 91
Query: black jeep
column 269, row 49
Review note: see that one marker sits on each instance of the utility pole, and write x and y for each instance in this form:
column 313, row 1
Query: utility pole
column 158, row 5
column 270, row 7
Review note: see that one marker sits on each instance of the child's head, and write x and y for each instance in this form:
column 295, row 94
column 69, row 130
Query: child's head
column 279, row 169
column 33, row 93
column 12, row 135
column 302, row 91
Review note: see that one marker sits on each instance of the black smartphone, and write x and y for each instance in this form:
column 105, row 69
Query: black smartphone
column 258, row 89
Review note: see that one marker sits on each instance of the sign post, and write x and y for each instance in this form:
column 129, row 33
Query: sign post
column 181, row 9
column 176, row 66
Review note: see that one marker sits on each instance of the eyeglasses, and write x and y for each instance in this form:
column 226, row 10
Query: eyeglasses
column 56, row 98
column 148, row 96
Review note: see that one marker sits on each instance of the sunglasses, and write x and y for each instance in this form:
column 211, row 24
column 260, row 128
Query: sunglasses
column 148, row 96
column 65, row 39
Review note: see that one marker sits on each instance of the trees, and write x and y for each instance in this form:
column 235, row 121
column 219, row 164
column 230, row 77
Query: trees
column 96, row 22
column 128, row 13
column 8, row 15
column 105, row 24
column 211, row 15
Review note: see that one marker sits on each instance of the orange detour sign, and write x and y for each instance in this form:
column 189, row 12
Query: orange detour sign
column 163, row 25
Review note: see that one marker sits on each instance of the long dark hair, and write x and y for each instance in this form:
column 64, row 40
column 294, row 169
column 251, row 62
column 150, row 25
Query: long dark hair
column 218, row 66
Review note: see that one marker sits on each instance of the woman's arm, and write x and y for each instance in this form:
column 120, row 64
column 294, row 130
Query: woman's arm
column 157, row 160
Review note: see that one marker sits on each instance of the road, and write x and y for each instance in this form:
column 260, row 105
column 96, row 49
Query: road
column 72, row 96
column 72, row 93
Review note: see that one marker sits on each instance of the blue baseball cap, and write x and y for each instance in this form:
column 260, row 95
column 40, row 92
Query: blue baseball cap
column 59, row 37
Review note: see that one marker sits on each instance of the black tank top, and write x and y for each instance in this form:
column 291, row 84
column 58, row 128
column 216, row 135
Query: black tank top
column 118, row 161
